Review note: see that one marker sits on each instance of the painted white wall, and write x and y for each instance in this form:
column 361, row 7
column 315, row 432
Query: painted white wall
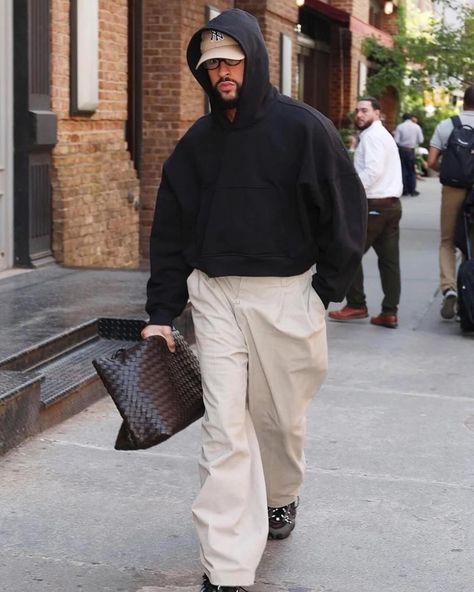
column 6, row 135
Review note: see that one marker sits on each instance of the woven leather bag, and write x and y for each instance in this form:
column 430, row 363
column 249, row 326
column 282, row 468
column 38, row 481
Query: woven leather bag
column 158, row 393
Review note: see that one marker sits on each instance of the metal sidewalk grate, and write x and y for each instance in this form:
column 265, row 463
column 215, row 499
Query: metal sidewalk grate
column 69, row 372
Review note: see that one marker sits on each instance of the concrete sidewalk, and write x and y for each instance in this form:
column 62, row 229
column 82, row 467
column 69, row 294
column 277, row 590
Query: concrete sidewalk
column 388, row 502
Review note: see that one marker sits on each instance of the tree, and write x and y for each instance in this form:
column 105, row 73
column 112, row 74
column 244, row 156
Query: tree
column 446, row 50
column 438, row 52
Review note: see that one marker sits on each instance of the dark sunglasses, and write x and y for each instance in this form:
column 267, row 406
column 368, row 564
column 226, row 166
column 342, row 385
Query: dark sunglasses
column 213, row 63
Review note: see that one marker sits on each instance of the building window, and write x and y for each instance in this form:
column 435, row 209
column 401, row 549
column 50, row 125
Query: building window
column 375, row 14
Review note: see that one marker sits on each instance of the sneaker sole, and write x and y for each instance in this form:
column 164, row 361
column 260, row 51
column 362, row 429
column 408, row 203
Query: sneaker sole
column 448, row 310
column 278, row 536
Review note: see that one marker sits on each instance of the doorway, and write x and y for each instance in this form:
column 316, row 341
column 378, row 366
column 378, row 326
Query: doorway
column 35, row 131
column 6, row 135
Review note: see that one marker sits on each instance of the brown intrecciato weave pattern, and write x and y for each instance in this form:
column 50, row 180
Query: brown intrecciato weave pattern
column 123, row 329
column 158, row 393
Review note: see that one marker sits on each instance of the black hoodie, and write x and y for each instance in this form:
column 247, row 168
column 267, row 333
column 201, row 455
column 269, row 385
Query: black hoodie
column 269, row 194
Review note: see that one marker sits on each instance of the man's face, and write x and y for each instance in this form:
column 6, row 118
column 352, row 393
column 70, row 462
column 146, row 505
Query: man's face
column 365, row 115
column 227, row 81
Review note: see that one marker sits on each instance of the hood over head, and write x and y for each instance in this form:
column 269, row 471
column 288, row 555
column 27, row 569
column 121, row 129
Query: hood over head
column 256, row 87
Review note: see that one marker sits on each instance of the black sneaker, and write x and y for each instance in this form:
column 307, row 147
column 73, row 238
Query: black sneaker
column 208, row 587
column 281, row 521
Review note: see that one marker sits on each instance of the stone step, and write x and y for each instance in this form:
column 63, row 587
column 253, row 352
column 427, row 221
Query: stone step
column 43, row 351
column 70, row 381
column 19, row 407
column 55, row 379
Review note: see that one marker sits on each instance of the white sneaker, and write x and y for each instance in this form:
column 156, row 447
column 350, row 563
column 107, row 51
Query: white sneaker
column 449, row 306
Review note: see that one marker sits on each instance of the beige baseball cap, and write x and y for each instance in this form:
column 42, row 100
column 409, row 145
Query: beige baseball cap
column 215, row 44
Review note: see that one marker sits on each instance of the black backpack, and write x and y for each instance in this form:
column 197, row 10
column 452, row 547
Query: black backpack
column 457, row 164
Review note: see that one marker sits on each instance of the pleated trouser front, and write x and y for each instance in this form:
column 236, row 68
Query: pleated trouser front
column 262, row 348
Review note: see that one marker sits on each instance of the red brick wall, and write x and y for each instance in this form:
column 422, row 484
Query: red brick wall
column 357, row 8
column 357, row 56
column 346, row 54
column 173, row 99
column 389, row 103
column 93, row 222
column 341, row 89
column 275, row 17
column 389, row 22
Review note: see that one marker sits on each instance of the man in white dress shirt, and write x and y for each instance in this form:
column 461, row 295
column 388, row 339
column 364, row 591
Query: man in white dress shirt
column 377, row 162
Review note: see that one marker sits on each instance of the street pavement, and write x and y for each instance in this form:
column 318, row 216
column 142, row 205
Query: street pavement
column 388, row 500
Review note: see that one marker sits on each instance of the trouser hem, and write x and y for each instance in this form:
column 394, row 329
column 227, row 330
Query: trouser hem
column 279, row 503
column 236, row 578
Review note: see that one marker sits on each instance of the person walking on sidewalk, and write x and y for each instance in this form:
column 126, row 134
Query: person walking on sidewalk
column 254, row 194
column 408, row 135
column 451, row 201
column 377, row 162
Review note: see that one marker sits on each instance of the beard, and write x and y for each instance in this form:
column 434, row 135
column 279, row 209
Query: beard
column 219, row 102
column 362, row 126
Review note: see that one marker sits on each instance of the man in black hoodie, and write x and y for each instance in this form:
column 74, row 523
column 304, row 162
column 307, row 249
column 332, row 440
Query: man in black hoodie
column 255, row 194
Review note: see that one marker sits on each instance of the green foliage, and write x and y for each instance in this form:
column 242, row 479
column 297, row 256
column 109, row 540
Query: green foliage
column 392, row 67
column 428, row 124
column 347, row 136
column 446, row 53
column 434, row 54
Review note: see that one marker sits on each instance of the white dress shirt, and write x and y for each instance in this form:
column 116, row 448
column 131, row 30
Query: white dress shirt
column 377, row 162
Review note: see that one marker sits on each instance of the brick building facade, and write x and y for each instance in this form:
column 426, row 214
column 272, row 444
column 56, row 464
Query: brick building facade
column 93, row 178
column 332, row 63
column 85, row 177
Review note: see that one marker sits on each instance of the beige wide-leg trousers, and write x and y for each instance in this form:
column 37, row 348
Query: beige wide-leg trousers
column 262, row 347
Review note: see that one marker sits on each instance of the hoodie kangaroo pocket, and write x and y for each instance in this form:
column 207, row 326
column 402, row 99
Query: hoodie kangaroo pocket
column 248, row 221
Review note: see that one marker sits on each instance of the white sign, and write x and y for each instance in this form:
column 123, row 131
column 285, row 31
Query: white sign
column 285, row 64
column 87, row 55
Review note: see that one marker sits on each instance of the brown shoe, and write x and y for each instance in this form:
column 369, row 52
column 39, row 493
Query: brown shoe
column 348, row 313
column 385, row 319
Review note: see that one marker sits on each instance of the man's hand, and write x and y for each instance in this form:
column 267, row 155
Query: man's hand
column 162, row 330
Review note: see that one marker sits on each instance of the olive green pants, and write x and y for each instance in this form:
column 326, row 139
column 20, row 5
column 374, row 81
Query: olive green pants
column 383, row 235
